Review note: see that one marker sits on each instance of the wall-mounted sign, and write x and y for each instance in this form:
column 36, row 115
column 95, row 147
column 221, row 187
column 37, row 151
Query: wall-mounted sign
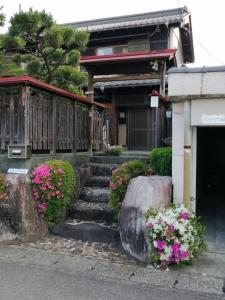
column 17, row 171
column 154, row 101
column 217, row 119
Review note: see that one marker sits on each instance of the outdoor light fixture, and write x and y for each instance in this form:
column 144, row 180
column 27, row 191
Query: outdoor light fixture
column 169, row 113
column 154, row 99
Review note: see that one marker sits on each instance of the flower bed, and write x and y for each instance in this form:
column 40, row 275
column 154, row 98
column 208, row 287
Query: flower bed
column 53, row 186
column 176, row 235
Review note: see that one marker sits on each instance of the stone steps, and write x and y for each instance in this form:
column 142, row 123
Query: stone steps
column 103, row 169
column 89, row 231
column 98, row 181
column 95, row 194
column 91, row 211
column 91, row 218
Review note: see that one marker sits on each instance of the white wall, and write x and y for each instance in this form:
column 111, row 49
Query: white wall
column 175, row 43
column 181, row 84
column 178, row 151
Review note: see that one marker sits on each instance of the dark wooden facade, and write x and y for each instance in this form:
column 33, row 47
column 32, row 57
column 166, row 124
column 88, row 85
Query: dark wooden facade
column 127, row 58
column 47, row 118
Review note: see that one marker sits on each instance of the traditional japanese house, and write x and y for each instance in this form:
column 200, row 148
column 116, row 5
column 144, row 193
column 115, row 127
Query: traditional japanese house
column 127, row 58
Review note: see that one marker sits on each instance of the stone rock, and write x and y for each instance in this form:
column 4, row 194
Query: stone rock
column 22, row 215
column 142, row 193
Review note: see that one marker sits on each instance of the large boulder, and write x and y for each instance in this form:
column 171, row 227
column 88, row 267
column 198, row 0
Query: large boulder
column 142, row 193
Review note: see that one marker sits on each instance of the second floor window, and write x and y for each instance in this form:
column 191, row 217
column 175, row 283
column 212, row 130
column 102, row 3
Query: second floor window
column 112, row 50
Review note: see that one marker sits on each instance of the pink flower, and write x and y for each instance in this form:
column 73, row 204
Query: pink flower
column 184, row 255
column 112, row 185
column 43, row 187
column 184, row 215
column 160, row 245
column 121, row 181
column 170, row 228
column 149, row 224
column 57, row 193
column 42, row 206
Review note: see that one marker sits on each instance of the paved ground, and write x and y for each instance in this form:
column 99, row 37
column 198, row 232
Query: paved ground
column 67, row 269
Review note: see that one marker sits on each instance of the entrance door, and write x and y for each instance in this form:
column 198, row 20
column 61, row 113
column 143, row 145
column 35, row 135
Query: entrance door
column 139, row 127
column 210, row 184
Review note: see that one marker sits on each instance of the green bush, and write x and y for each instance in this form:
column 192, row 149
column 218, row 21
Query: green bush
column 160, row 161
column 120, row 180
column 113, row 151
column 53, row 186
column 3, row 195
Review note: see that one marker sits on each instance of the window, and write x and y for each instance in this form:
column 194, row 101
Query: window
column 112, row 50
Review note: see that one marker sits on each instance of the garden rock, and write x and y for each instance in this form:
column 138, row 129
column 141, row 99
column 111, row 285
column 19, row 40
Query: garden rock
column 22, row 214
column 142, row 193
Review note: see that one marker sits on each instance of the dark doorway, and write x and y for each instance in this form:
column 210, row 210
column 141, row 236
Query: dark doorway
column 210, row 188
column 139, row 127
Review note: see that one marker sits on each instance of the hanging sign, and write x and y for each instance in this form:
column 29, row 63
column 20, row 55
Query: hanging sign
column 154, row 101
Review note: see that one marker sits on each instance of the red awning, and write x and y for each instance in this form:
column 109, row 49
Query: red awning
column 131, row 56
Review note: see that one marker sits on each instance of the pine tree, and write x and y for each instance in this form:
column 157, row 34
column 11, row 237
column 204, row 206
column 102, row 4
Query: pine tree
column 46, row 50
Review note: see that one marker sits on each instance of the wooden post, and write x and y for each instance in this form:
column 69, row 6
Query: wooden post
column 75, row 141
column 53, row 144
column 26, row 105
column 114, row 121
column 91, row 111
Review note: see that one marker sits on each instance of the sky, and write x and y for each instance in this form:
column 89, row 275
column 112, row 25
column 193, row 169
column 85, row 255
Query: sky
column 208, row 19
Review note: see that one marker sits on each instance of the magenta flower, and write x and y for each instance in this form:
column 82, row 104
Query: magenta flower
column 184, row 215
column 160, row 245
column 175, row 247
column 184, row 254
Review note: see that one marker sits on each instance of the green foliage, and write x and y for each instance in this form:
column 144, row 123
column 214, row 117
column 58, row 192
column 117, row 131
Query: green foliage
column 160, row 160
column 53, row 188
column 121, row 178
column 3, row 195
column 113, row 151
column 46, row 51
column 2, row 17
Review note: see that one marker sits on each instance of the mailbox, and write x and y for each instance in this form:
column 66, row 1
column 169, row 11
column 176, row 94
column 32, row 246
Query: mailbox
column 19, row 151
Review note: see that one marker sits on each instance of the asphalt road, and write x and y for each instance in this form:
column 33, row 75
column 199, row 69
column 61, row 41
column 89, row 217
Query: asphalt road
column 37, row 282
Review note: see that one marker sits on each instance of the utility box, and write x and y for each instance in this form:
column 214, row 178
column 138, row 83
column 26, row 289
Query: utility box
column 19, row 151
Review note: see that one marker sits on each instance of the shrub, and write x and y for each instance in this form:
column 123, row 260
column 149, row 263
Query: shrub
column 120, row 180
column 3, row 194
column 53, row 186
column 114, row 151
column 176, row 235
column 161, row 161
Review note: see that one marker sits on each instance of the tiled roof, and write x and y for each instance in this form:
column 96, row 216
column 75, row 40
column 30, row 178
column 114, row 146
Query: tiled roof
column 144, row 19
column 126, row 83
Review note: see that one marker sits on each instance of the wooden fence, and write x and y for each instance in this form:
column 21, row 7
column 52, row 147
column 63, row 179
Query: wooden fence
column 47, row 122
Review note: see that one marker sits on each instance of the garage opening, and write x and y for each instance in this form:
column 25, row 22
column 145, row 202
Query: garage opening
column 210, row 185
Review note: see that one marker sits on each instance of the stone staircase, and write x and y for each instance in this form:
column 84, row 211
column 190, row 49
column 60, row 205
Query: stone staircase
column 91, row 218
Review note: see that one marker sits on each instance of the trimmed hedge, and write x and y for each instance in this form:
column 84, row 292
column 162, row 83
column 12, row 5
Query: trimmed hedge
column 160, row 160
column 121, row 178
